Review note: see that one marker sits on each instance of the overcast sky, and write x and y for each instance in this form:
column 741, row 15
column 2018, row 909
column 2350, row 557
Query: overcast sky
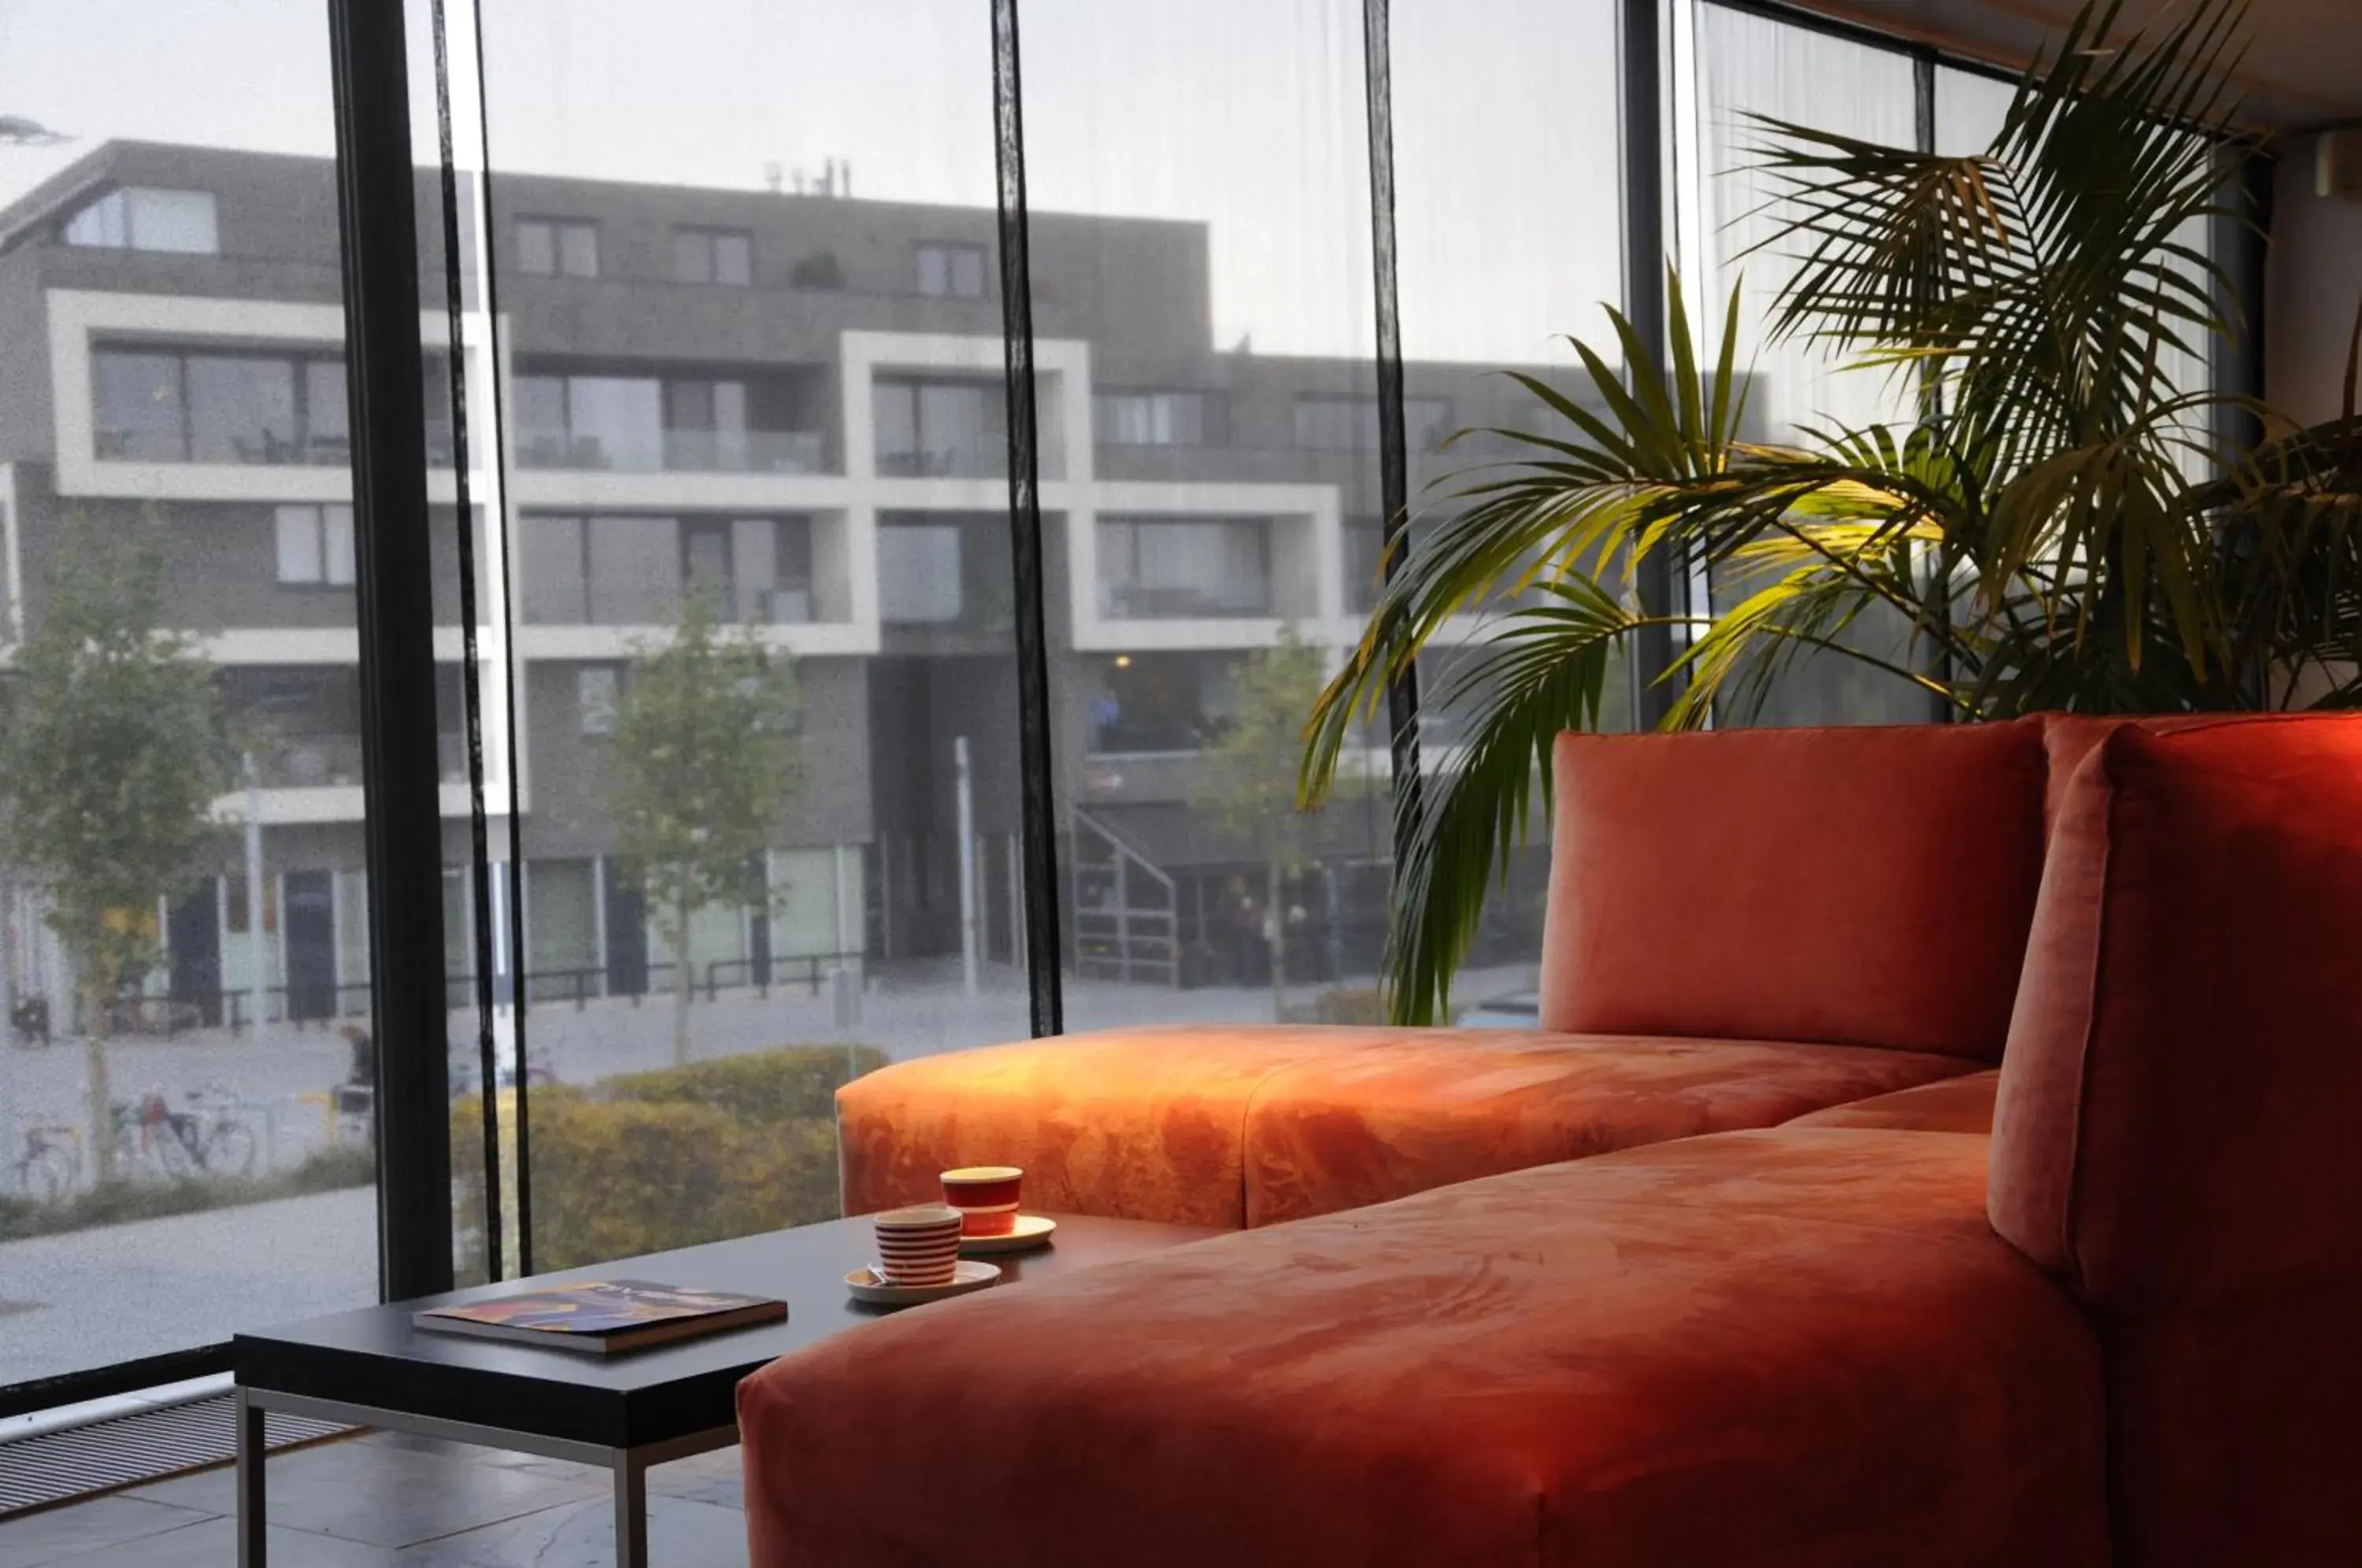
column 1245, row 115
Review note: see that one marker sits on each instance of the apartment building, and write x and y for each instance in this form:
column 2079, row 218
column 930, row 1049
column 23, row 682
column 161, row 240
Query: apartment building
column 792, row 400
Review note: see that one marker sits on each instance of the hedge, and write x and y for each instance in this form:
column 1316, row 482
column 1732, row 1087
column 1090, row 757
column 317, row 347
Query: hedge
column 645, row 1162
column 121, row 1201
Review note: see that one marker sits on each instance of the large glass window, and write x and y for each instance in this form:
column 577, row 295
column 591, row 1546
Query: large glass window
column 1495, row 102
column 673, row 449
column 1750, row 65
column 1210, row 167
column 186, row 1132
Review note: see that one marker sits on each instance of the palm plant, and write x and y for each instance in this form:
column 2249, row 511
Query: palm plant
column 2034, row 526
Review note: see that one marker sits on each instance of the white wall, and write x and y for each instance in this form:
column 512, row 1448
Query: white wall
column 2313, row 283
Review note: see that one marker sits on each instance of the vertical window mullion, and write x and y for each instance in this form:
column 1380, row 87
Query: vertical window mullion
column 1037, row 804
column 1394, row 454
column 376, row 190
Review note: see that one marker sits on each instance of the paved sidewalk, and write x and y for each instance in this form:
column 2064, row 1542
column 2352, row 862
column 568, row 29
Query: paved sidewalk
column 115, row 1292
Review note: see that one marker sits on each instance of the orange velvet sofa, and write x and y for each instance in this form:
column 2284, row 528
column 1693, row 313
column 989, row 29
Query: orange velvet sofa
column 2091, row 1305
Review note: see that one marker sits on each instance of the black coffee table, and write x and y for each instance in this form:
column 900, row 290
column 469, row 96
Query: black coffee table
column 370, row 1367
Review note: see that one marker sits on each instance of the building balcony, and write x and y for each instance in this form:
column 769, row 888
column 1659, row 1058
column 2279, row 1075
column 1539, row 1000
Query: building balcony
column 974, row 460
column 1245, row 599
column 334, row 761
column 678, row 451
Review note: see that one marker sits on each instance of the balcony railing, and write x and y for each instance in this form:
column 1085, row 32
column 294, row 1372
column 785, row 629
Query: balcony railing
column 976, row 461
column 679, row 452
column 1243, row 600
column 334, row 761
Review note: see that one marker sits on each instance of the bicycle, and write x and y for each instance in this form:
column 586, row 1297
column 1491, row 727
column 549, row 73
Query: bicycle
column 51, row 1166
column 214, row 1134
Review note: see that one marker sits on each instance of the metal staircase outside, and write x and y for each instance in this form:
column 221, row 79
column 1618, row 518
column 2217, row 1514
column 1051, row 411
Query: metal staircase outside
column 1126, row 913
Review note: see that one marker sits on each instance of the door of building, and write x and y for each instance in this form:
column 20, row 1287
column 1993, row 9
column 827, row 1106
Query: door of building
column 193, row 933
column 311, row 926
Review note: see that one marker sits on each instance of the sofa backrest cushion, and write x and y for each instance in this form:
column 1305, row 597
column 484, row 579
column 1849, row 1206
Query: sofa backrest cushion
column 2071, row 737
column 1849, row 887
column 2177, row 1123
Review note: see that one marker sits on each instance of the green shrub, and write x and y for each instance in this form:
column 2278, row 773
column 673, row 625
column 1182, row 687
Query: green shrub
column 645, row 1162
column 1344, row 1004
column 819, row 269
column 763, row 1086
column 120, row 1201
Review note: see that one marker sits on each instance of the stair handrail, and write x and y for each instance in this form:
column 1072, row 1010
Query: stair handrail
column 1121, row 846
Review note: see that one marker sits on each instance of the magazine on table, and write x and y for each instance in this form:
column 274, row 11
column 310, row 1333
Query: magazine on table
column 603, row 1317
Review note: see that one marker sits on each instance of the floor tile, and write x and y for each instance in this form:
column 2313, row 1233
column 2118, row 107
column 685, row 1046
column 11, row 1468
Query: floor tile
column 381, row 1494
column 506, row 1458
column 681, row 1534
column 43, row 1538
column 214, row 1544
column 706, row 1478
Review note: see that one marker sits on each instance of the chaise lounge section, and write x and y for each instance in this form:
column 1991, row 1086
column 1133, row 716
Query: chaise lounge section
column 1743, row 929
column 2116, row 1330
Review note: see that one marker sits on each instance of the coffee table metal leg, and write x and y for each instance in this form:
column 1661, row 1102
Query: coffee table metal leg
column 252, row 1552
column 631, row 1509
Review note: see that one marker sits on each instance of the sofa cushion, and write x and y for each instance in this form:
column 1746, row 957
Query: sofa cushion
column 1244, row 1126
column 1854, row 887
column 1767, row 1348
column 2175, row 1124
column 2069, row 738
column 1964, row 1104
column 2175, row 1130
column 1401, row 1115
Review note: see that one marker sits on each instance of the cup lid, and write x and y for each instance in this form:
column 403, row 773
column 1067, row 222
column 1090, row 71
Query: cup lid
column 917, row 1217
column 984, row 1173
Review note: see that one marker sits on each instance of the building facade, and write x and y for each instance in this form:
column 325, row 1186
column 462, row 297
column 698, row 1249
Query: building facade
column 793, row 402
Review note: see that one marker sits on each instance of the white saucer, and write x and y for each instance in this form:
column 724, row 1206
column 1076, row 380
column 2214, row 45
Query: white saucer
column 1031, row 1230
column 969, row 1276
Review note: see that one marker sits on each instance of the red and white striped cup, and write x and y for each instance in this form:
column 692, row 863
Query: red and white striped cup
column 919, row 1245
column 987, row 1197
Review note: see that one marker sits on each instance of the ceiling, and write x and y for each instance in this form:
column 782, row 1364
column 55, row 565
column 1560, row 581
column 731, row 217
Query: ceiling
column 2302, row 68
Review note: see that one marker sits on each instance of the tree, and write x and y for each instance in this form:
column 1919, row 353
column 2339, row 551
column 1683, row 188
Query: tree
column 113, row 750
column 703, row 766
column 1247, row 780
